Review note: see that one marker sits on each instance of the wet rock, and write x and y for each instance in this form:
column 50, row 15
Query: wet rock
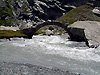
column 28, row 69
column 93, row 46
column 78, row 44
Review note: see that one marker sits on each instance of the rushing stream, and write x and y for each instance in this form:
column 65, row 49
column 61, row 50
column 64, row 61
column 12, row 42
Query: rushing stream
column 53, row 51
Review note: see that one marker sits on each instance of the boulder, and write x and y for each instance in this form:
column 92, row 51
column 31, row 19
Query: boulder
column 88, row 31
column 96, row 11
column 49, row 32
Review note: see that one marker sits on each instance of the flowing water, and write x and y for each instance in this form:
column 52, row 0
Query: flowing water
column 53, row 51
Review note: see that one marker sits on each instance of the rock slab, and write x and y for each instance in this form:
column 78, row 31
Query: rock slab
column 88, row 31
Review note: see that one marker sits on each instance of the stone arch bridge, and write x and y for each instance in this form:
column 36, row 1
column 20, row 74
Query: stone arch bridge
column 31, row 31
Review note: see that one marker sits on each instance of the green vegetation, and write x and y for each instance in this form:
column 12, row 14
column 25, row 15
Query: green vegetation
column 10, row 34
column 5, row 11
column 39, row 32
column 57, row 30
column 8, row 11
column 6, row 22
column 82, row 13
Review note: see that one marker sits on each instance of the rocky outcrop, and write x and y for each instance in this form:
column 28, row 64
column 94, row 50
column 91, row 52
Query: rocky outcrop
column 49, row 9
column 14, row 11
column 88, row 31
column 44, row 10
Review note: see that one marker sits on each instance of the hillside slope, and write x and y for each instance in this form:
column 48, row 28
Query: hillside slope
column 12, row 11
column 82, row 13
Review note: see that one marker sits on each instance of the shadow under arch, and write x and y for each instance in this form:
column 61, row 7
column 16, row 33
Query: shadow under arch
column 31, row 31
column 50, row 23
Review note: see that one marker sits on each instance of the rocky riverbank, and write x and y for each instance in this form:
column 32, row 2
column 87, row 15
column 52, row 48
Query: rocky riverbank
column 28, row 69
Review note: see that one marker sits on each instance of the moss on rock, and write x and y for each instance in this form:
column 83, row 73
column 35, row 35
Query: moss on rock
column 39, row 32
column 11, row 33
column 82, row 13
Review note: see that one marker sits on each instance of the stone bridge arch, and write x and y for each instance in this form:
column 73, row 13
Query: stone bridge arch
column 51, row 23
column 31, row 31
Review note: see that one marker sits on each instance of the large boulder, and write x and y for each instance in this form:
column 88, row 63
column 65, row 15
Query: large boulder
column 88, row 31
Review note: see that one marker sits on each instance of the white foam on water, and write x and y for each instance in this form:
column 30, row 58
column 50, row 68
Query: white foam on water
column 19, row 45
column 73, row 53
column 52, row 51
column 52, row 45
column 82, row 55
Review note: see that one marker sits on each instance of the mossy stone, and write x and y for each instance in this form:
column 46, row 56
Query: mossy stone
column 11, row 33
column 82, row 13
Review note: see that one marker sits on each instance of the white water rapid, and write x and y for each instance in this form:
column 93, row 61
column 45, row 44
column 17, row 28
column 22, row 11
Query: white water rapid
column 53, row 51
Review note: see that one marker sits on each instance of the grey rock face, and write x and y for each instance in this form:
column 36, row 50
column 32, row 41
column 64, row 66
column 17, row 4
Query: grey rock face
column 48, row 10
column 52, row 9
column 88, row 31
column 38, row 10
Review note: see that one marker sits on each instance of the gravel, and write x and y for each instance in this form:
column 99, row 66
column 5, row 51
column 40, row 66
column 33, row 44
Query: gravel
column 28, row 69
